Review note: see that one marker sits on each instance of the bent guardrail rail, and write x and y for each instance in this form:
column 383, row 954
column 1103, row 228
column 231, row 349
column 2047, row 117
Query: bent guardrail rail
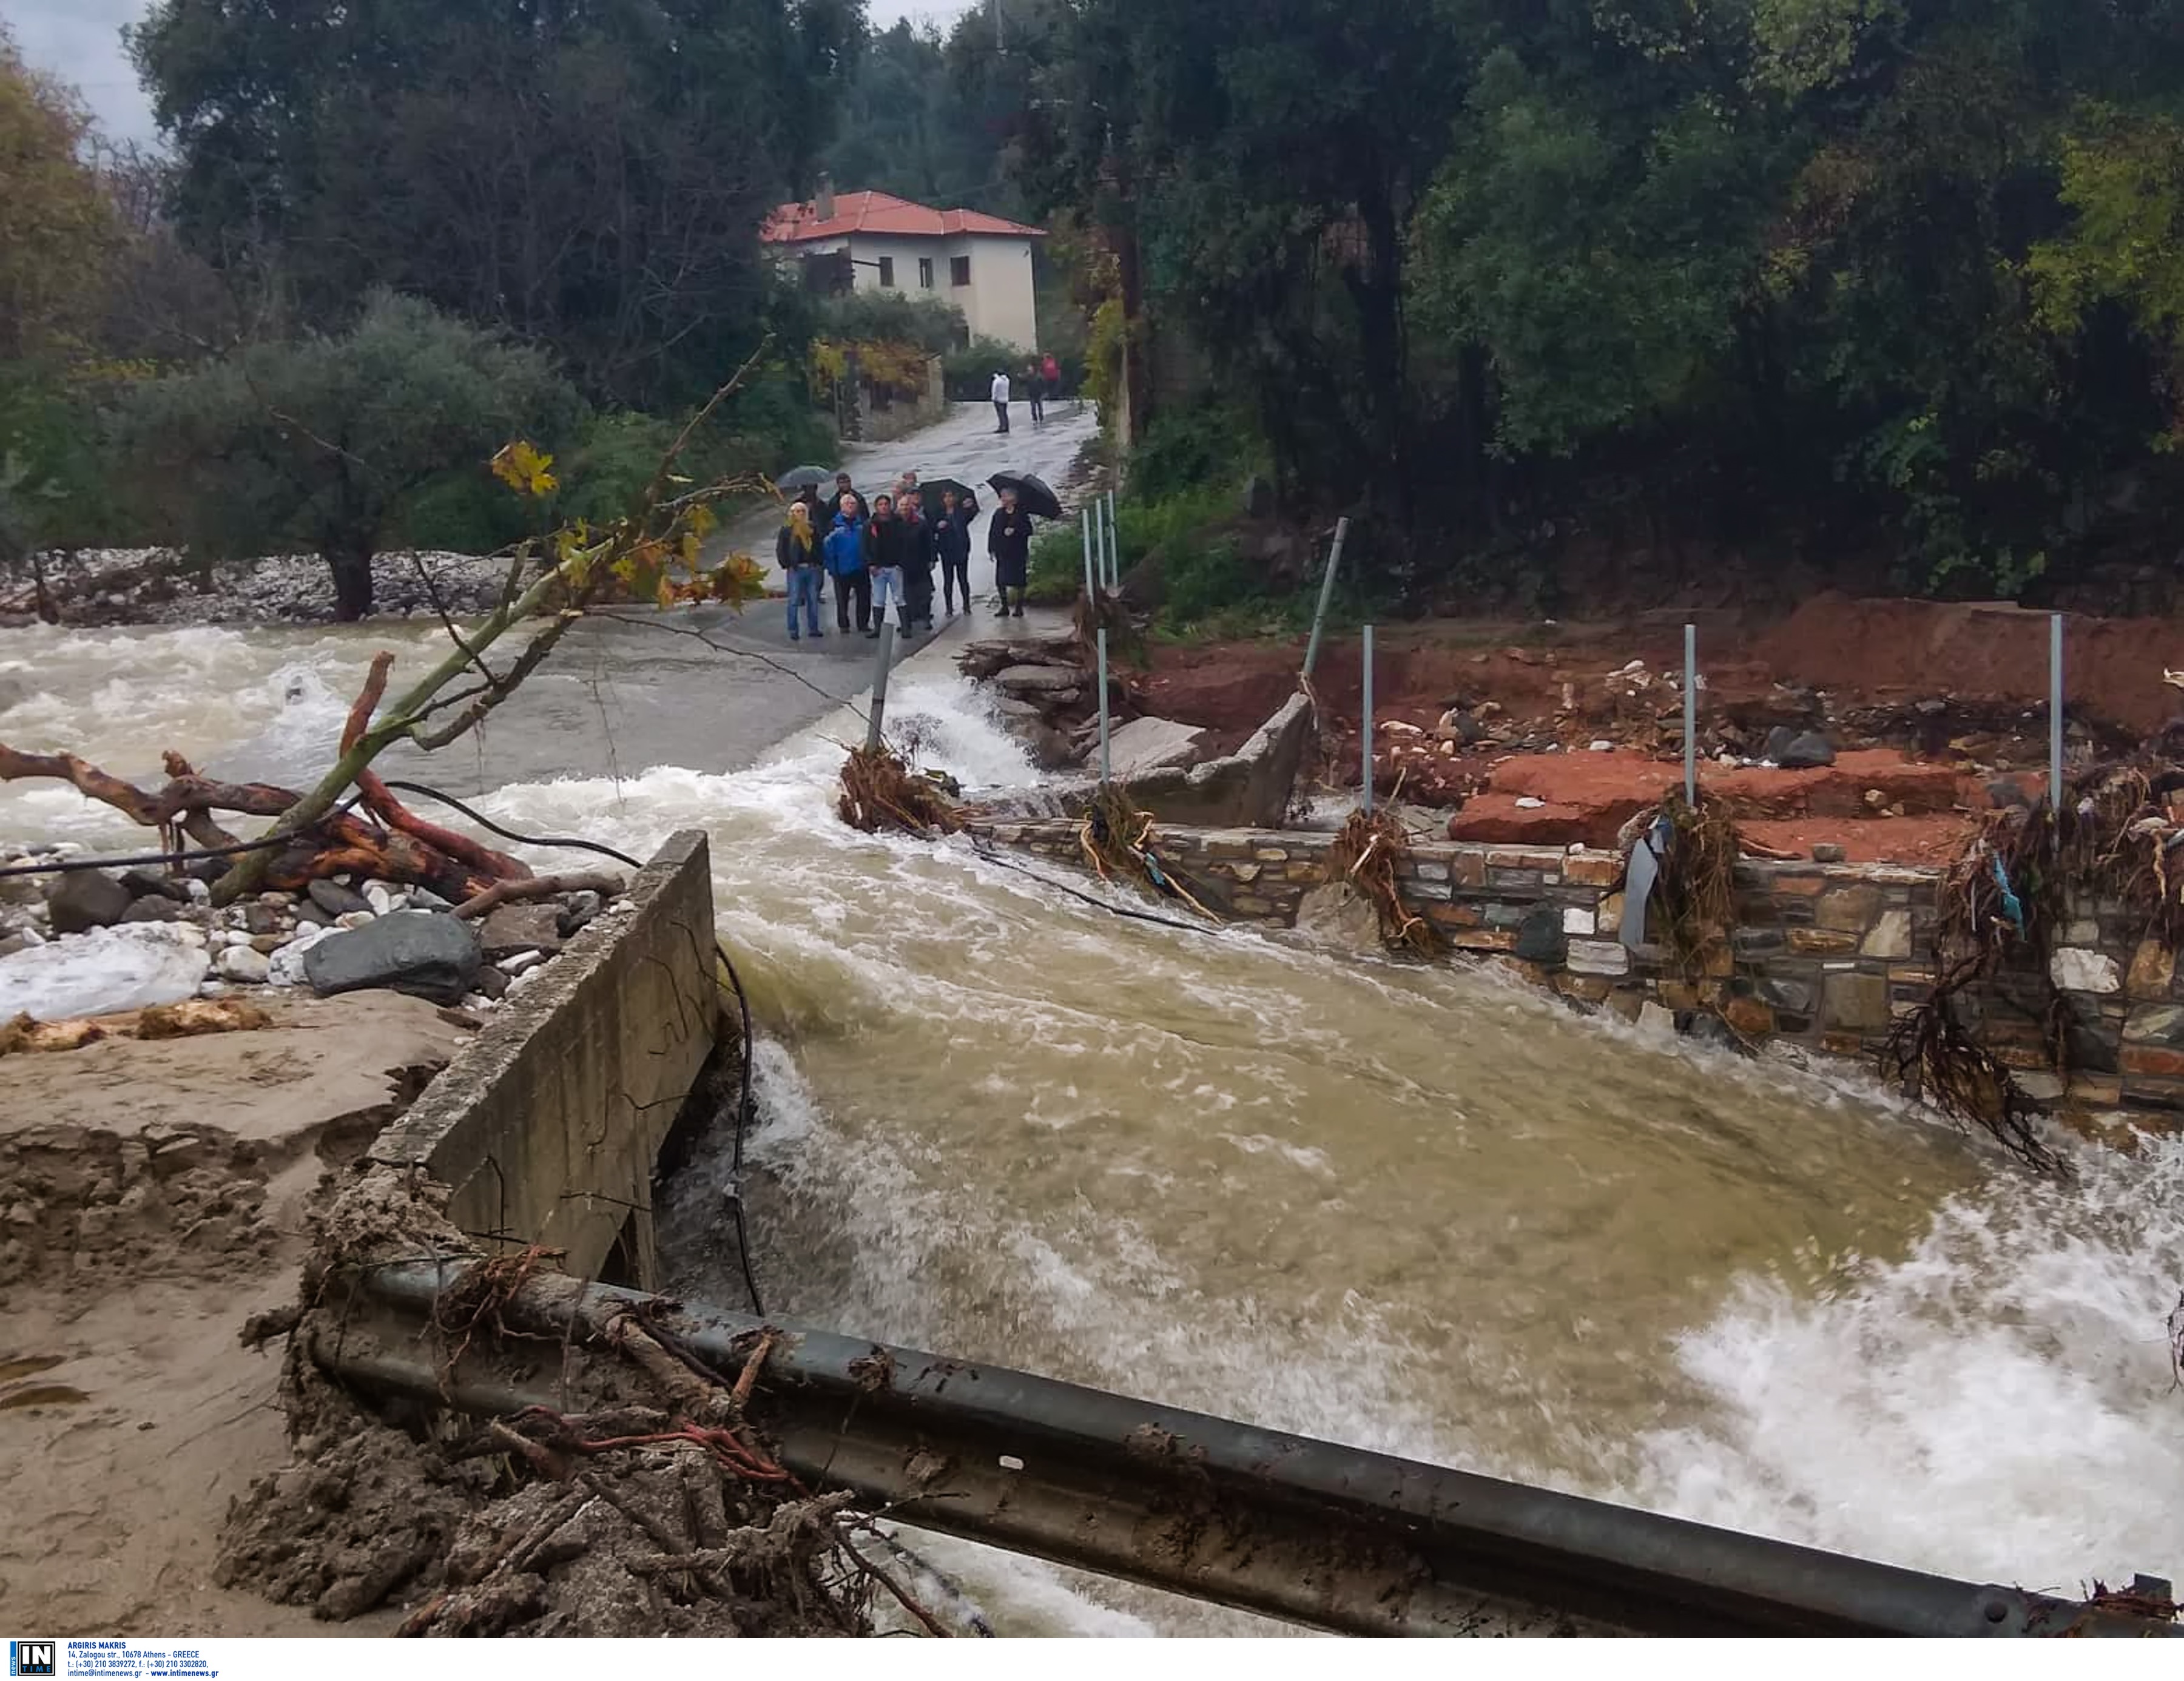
column 1330, row 1537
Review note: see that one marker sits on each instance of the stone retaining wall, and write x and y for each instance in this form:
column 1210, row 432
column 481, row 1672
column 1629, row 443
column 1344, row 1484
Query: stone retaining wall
column 1826, row 956
column 548, row 1123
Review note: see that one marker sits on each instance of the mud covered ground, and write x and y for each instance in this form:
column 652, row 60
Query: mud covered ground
column 1962, row 685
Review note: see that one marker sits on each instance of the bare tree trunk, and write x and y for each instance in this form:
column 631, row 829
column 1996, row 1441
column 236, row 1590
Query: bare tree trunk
column 352, row 570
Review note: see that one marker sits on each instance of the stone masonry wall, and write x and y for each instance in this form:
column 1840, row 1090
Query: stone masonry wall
column 1826, row 955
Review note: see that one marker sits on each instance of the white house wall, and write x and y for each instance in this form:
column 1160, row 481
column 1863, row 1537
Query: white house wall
column 999, row 303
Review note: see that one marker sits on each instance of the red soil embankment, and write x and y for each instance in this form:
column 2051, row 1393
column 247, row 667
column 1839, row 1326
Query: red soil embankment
column 1978, row 650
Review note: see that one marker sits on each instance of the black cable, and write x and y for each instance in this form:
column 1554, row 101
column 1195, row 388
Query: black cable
column 262, row 844
column 744, row 1101
column 487, row 823
column 992, row 857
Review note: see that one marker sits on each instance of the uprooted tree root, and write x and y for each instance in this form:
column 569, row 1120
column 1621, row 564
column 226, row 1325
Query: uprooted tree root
column 1118, row 840
column 1367, row 855
column 2004, row 899
column 651, row 1504
column 1695, row 893
column 881, row 791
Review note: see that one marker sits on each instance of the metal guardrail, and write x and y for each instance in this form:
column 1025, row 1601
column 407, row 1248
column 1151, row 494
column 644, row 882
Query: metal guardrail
column 1330, row 1537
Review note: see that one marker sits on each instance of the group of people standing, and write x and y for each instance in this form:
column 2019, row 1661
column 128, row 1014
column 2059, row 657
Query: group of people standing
column 884, row 553
column 1041, row 380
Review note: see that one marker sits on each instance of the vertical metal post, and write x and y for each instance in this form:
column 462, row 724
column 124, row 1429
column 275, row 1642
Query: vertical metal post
column 879, row 687
column 1368, row 719
column 1326, row 594
column 1100, row 536
column 1114, row 546
column 1085, row 519
column 1102, row 639
column 2055, row 712
column 1691, row 715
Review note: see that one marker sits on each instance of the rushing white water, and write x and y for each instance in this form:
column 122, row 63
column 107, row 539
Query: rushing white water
column 1421, row 1211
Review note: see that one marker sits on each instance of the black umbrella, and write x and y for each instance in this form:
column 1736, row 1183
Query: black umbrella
column 930, row 492
column 804, row 478
column 1032, row 495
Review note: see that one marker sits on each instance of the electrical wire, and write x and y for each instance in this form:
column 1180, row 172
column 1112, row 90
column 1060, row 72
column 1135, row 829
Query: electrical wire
column 746, row 1100
column 990, row 856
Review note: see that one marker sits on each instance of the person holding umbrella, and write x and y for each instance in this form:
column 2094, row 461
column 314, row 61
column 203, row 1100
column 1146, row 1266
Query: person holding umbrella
column 1008, row 540
column 951, row 545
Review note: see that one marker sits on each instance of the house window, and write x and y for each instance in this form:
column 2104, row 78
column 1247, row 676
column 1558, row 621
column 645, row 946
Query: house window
column 958, row 271
column 925, row 272
column 887, row 271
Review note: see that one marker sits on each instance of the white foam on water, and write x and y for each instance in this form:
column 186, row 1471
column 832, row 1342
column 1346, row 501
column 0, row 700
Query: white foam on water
column 1999, row 1404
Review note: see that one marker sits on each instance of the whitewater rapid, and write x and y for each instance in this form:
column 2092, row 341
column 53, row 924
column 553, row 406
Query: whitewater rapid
column 1426, row 1212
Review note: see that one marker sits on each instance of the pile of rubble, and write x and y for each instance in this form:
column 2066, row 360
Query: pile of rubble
column 164, row 586
column 1044, row 694
column 88, row 943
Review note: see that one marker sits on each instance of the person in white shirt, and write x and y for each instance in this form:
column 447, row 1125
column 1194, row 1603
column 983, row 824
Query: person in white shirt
column 1001, row 401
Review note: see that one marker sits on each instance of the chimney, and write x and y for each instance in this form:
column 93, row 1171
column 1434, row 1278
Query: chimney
column 822, row 202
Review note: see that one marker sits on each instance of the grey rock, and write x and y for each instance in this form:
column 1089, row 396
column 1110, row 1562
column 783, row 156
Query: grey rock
column 15, row 943
column 422, row 952
column 2005, row 794
column 1828, row 852
column 83, row 899
column 1469, row 730
column 154, row 908
column 147, row 883
column 424, row 898
column 1147, row 744
column 577, row 910
column 208, row 870
column 1258, row 498
column 491, row 983
column 336, row 900
column 310, row 915
column 1794, row 996
column 262, row 919
column 1049, row 680
column 1808, row 752
column 522, row 928
column 241, row 963
column 1779, row 742
column 1708, row 1028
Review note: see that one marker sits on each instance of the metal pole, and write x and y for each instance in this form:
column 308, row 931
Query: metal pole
column 1102, row 639
column 1326, row 594
column 1085, row 519
column 879, row 688
column 1368, row 719
column 1114, row 546
column 1331, row 1537
column 1691, row 715
column 1100, row 535
column 2055, row 712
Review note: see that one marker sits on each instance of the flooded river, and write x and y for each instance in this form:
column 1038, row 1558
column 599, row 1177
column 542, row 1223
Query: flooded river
column 1424, row 1212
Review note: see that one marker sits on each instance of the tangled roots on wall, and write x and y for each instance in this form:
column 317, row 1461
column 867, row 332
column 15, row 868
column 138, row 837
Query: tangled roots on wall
column 1367, row 853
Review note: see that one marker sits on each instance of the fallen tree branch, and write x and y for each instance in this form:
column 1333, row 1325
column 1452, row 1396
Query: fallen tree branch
column 538, row 886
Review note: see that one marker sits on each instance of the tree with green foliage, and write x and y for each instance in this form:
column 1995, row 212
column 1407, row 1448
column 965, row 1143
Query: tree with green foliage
column 589, row 178
column 327, row 440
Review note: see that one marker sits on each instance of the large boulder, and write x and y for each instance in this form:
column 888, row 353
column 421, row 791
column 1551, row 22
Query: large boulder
column 423, row 953
column 522, row 927
column 103, row 971
column 83, row 899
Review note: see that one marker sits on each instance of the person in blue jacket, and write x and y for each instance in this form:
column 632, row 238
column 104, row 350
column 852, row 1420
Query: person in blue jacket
column 846, row 564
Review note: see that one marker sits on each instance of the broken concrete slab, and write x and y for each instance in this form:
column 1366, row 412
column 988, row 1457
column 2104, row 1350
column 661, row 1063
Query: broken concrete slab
column 1147, row 744
column 522, row 928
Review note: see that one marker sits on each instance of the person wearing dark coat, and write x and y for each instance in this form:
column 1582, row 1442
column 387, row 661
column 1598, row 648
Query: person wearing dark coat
column 1008, row 540
column 951, row 547
column 889, row 547
column 843, row 487
column 917, row 568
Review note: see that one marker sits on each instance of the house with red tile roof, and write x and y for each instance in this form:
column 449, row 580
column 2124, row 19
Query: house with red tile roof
column 981, row 264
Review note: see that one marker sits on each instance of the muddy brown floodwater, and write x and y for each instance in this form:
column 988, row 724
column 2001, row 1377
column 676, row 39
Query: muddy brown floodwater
column 1418, row 1211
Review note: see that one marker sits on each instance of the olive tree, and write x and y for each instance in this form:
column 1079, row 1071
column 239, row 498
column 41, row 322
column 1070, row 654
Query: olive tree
column 325, row 441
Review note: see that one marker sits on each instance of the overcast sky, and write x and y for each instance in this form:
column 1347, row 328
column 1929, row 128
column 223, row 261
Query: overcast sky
column 80, row 40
